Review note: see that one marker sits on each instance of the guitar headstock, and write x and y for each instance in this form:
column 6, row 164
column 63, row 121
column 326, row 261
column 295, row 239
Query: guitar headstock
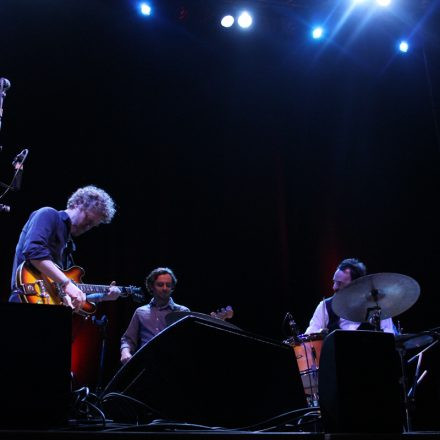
column 223, row 313
column 136, row 293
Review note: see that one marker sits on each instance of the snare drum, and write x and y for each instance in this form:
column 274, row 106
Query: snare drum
column 307, row 350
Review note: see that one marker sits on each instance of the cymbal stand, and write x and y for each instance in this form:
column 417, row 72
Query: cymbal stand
column 374, row 313
column 417, row 376
column 410, row 395
column 373, row 317
column 406, row 403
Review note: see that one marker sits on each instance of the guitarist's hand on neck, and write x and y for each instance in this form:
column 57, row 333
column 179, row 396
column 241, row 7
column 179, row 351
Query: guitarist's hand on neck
column 113, row 292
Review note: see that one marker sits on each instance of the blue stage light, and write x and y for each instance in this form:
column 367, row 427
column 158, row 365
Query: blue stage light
column 317, row 32
column 403, row 46
column 227, row 21
column 145, row 9
column 245, row 20
column 383, row 3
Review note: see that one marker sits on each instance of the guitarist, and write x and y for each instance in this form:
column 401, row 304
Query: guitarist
column 149, row 319
column 46, row 241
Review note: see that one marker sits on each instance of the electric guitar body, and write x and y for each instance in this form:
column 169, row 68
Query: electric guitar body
column 37, row 288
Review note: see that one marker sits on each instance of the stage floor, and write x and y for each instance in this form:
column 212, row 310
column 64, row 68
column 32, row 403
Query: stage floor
column 119, row 432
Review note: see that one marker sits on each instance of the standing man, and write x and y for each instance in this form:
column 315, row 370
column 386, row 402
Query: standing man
column 149, row 320
column 325, row 318
column 46, row 242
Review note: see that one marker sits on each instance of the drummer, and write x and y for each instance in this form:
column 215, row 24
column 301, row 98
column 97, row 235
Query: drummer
column 149, row 319
column 324, row 320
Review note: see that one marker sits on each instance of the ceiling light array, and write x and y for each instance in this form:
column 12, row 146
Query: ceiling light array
column 244, row 20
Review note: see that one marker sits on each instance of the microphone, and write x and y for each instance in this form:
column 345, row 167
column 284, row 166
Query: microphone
column 20, row 158
column 5, row 84
column 293, row 327
column 5, row 208
column 17, row 163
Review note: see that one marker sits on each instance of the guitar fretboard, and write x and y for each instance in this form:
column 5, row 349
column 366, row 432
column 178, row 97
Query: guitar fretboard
column 135, row 292
column 96, row 288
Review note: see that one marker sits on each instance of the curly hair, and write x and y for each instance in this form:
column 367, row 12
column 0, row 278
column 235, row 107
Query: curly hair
column 93, row 199
column 357, row 268
column 152, row 277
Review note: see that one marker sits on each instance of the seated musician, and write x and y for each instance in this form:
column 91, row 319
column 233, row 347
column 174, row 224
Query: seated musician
column 149, row 319
column 325, row 320
column 46, row 242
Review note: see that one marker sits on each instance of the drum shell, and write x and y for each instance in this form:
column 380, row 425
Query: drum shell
column 307, row 350
column 308, row 353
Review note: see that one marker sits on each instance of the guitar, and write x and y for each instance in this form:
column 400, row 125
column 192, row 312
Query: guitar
column 223, row 313
column 38, row 288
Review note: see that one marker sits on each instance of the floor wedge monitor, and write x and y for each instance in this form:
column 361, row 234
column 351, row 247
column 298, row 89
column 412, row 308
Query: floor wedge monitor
column 359, row 383
column 198, row 371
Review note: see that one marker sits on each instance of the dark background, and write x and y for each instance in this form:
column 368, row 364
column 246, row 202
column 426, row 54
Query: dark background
column 250, row 162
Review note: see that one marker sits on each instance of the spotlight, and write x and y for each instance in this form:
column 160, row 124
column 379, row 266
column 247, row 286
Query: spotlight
column 245, row 20
column 403, row 46
column 145, row 8
column 383, row 3
column 317, row 32
column 227, row 21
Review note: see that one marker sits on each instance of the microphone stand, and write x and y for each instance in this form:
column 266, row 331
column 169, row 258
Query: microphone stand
column 102, row 325
column 2, row 95
column 17, row 163
column 19, row 159
column 4, row 85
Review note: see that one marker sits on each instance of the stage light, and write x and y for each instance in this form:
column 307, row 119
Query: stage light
column 245, row 20
column 145, row 8
column 403, row 46
column 383, row 3
column 227, row 21
column 317, row 33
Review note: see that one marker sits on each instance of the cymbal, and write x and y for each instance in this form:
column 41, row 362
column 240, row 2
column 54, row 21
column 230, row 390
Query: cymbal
column 393, row 293
column 175, row 316
column 409, row 341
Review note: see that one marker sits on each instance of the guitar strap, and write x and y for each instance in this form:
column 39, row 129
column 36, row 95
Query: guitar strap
column 67, row 255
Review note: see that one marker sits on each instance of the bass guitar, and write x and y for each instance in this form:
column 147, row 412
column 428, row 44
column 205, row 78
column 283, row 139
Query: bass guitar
column 223, row 313
column 37, row 288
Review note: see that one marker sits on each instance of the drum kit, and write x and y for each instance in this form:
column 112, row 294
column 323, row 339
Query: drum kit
column 368, row 299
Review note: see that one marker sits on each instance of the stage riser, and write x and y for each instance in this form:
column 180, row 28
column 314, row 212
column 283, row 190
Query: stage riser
column 35, row 377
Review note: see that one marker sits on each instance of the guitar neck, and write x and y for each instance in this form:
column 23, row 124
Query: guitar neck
column 92, row 289
column 97, row 288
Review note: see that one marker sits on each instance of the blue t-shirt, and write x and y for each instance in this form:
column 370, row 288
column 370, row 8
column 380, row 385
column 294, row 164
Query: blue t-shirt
column 45, row 236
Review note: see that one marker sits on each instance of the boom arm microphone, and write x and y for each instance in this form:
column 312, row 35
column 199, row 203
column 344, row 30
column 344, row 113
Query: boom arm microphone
column 5, row 84
column 17, row 163
column 20, row 158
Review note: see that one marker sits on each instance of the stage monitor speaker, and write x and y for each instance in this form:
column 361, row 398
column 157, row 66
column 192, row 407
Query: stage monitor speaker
column 201, row 372
column 359, row 383
column 35, row 380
